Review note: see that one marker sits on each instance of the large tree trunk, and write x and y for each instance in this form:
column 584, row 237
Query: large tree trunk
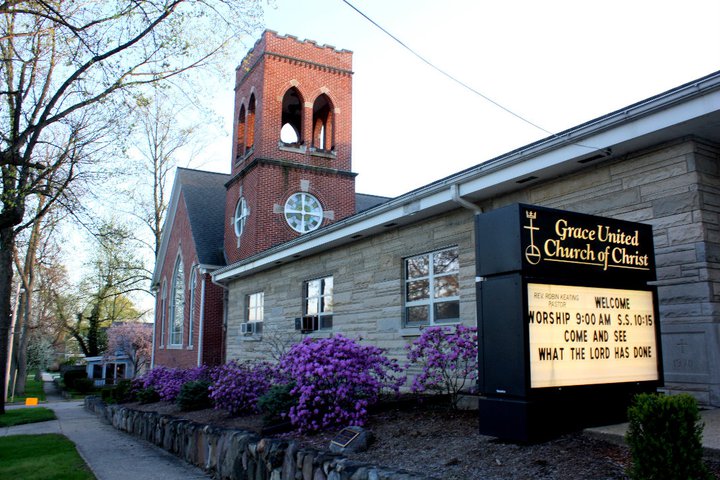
column 24, row 315
column 7, row 244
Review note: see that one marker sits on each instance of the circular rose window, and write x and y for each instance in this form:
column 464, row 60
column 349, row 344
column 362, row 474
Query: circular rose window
column 303, row 212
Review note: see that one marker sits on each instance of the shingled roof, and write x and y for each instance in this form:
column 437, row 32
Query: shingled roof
column 204, row 194
column 363, row 201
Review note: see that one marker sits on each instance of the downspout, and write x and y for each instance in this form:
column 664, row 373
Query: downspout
column 455, row 192
column 152, row 352
column 224, row 320
column 202, row 320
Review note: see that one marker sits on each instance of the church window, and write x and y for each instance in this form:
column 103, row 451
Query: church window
column 240, row 217
column 241, row 133
column 323, row 124
column 177, row 304
column 193, row 286
column 303, row 212
column 250, row 125
column 291, row 121
column 432, row 290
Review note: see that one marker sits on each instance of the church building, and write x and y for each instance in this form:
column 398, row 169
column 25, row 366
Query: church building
column 283, row 247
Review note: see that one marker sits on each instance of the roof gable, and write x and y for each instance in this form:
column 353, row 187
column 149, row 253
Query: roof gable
column 204, row 196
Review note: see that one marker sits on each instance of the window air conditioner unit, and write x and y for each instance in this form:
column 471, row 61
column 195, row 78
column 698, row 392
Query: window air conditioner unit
column 247, row 328
column 309, row 323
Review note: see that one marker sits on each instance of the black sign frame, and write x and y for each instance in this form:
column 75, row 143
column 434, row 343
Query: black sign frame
column 569, row 246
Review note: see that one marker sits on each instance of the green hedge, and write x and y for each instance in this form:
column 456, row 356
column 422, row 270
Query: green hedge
column 665, row 438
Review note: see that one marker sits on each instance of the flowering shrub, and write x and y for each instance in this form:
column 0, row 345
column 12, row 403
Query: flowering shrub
column 168, row 381
column 194, row 395
column 449, row 360
column 236, row 386
column 336, row 379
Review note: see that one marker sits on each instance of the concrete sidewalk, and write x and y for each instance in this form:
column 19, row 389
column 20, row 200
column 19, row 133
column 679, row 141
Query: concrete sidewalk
column 110, row 454
column 711, row 433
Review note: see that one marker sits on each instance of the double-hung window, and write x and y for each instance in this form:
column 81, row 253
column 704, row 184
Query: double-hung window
column 255, row 303
column 318, row 304
column 432, row 288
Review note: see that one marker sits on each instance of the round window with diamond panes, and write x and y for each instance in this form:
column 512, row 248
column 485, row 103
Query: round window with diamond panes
column 303, row 212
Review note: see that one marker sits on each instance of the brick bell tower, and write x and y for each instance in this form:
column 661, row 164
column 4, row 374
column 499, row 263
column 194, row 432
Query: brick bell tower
column 291, row 158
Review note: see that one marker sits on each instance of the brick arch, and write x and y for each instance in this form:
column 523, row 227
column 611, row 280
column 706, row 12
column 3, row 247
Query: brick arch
column 293, row 115
column 320, row 91
column 293, row 82
column 323, row 120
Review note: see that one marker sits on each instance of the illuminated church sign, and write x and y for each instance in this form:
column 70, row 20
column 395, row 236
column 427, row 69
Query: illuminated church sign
column 565, row 316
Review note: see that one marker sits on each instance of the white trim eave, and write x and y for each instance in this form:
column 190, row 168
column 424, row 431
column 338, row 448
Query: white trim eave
column 165, row 237
column 208, row 268
column 654, row 119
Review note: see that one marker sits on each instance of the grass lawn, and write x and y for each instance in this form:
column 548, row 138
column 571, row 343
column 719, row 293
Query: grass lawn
column 33, row 388
column 21, row 416
column 46, row 457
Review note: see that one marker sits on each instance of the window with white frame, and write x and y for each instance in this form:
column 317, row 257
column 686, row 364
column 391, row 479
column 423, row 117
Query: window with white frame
column 177, row 304
column 240, row 217
column 303, row 212
column 318, row 304
column 193, row 286
column 432, row 288
column 255, row 304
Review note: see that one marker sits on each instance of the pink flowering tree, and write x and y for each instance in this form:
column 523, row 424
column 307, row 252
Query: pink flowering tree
column 335, row 381
column 132, row 339
column 448, row 357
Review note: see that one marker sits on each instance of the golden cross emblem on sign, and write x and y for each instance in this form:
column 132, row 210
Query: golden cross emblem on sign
column 532, row 252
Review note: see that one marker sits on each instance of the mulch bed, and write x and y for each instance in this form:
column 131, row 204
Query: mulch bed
column 444, row 444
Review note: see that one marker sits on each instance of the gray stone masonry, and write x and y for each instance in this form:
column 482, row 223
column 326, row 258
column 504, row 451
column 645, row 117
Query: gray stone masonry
column 235, row 454
column 675, row 187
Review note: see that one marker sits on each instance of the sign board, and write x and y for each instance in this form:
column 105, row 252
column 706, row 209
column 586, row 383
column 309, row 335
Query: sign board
column 566, row 319
column 583, row 336
column 548, row 243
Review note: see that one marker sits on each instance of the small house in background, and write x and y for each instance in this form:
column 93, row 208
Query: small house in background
column 109, row 370
column 128, row 354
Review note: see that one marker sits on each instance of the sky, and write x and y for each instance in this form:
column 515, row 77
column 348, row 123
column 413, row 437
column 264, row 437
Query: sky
column 556, row 63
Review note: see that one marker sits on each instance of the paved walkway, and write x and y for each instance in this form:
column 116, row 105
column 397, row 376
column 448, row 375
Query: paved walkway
column 711, row 432
column 110, row 454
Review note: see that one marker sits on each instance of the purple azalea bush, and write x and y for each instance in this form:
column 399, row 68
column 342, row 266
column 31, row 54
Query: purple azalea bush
column 236, row 386
column 449, row 360
column 167, row 382
column 336, row 380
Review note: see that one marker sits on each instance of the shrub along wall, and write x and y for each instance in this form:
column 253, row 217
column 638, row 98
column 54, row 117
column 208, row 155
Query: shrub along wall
column 237, row 454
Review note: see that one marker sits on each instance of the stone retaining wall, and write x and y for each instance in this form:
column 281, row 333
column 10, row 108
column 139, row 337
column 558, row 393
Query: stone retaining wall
column 237, row 454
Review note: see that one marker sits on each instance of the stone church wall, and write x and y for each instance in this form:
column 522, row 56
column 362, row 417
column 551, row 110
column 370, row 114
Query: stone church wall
column 673, row 187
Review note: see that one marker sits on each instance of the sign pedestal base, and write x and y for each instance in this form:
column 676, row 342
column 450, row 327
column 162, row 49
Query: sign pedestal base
column 524, row 420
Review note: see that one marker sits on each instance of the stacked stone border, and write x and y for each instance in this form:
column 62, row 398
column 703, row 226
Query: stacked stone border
column 230, row 454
